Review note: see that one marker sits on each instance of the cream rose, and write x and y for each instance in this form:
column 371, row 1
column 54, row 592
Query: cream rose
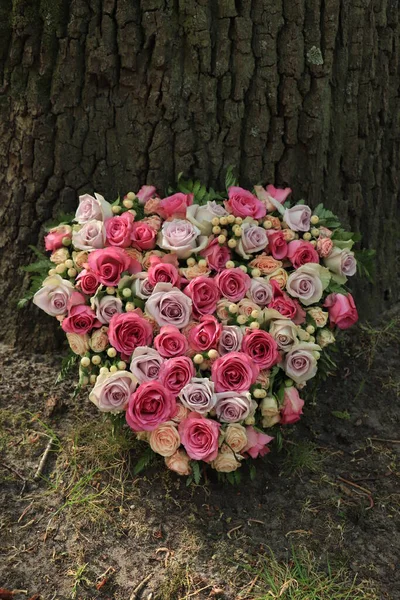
column 280, row 276
column 165, row 439
column 235, row 437
column 320, row 316
column 59, row 256
column 325, row 337
column 79, row 344
column 308, row 283
column 226, row 462
column 99, row 340
column 179, row 462
column 269, row 411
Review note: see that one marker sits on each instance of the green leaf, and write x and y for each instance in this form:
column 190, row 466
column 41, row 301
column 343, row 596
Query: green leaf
column 143, row 461
column 326, row 217
column 253, row 472
column 345, row 415
column 196, row 471
column 230, row 179
column 335, row 288
column 344, row 236
column 61, row 219
column 67, row 364
column 366, row 263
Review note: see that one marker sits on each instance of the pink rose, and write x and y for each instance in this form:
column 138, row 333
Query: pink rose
column 54, row 295
column 253, row 239
column 176, row 372
column 109, row 264
column 234, row 372
column 257, row 443
column 169, row 306
column 88, row 282
column 271, row 193
column 145, row 193
column 277, row 244
column 143, row 236
column 324, row 246
column 81, row 318
column 150, row 406
column 286, row 306
column 205, row 335
column 171, row 342
column 204, row 294
column 119, row 229
column 199, row 437
column 128, row 331
column 342, row 310
column 92, row 209
column 112, row 391
column 175, row 206
column 230, row 339
column 91, row 236
column 232, row 407
column 53, row 240
column 300, row 253
column 261, row 347
column 292, row 406
column 217, row 256
column 233, row 284
column 243, row 204
column 161, row 271
column 298, row 217
column 146, row 364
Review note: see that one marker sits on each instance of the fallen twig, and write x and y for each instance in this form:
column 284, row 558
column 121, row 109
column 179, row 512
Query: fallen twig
column 42, row 462
column 139, row 586
column 196, row 592
column 385, row 441
column 103, row 579
column 25, row 511
column 232, row 530
column 12, row 470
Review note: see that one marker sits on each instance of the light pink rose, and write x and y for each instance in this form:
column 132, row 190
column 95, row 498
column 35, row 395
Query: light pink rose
column 234, row 372
column 300, row 363
column 119, row 230
column 198, row 395
column 253, row 239
column 232, row 407
column 181, row 237
column 53, row 240
column 106, row 307
column 308, row 283
column 201, row 216
column 112, row 391
column 92, row 209
column 161, row 271
column 142, row 286
column 171, row 342
column 128, row 331
column 277, row 244
column 91, row 236
column 150, row 406
column 54, row 295
column 205, row 335
column 165, row 439
column 175, row 373
column 199, row 437
column 341, row 262
column 301, row 252
column 175, row 206
column 257, row 442
column 261, row 347
column 88, row 282
column 146, row 364
column 286, row 306
column 169, row 306
column 271, row 193
column 292, row 406
column 145, row 193
column 298, row 217
column 143, row 236
column 284, row 331
column 230, row 339
column 179, row 462
column 260, row 291
column 324, row 246
column 217, row 256
column 99, row 339
column 205, row 294
column 109, row 264
column 233, row 284
column 342, row 310
column 243, row 204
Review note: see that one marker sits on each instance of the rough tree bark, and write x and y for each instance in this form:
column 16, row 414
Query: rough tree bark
column 106, row 95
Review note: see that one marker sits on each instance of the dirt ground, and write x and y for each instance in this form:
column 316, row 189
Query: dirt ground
column 89, row 528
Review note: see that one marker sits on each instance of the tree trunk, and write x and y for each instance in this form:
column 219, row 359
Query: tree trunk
column 106, row 95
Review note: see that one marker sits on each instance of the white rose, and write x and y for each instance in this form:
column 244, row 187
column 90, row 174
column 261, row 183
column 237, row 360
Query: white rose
column 91, row 236
column 91, row 209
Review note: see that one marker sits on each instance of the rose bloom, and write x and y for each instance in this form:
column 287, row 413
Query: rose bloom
column 175, row 205
column 59, row 256
column 81, row 318
column 280, row 276
column 225, row 462
column 146, row 364
column 217, row 256
column 91, row 236
column 341, row 262
column 143, row 236
column 195, row 271
column 261, row 347
column 150, row 406
column 233, row 284
column 182, row 238
column 269, row 411
column 266, row 264
column 88, row 282
column 145, row 193
column 169, row 306
column 253, row 239
column 112, row 391
column 110, row 263
column 199, row 437
column 277, row 244
column 260, row 291
column 298, row 217
column 235, row 437
column 232, row 407
column 154, row 222
column 301, row 252
column 142, row 288
column 165, row 439
column 54, row 295
column 243, row 204
column 234, row 372
column 246, row 307
column 99, row 340
column 119, row 230
column 342, row 310
column 300, row 363
column 128, row 331
column 325, row 337
column 151, row 206
column 80, row 259
column 79, row 343
column 263, row 378
column 204, row 294
column 257, row 443
column 284, row 333
column 181, row 413
column 162, row 272
column 286, row 306
column 222, row 311
column 198, row 395
column 308, row 283
column 179, row 462
column 289, row 235
column 230, row 339
column 201, row 217
column 53, row 240
column 106, row 307
column 147, row 257
column 176, row 372
column 292, row 406
column 324, row 246
column 320, row 317
column 271, row 196
column 92, row 209
column 205, row 335
column 171, row 342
